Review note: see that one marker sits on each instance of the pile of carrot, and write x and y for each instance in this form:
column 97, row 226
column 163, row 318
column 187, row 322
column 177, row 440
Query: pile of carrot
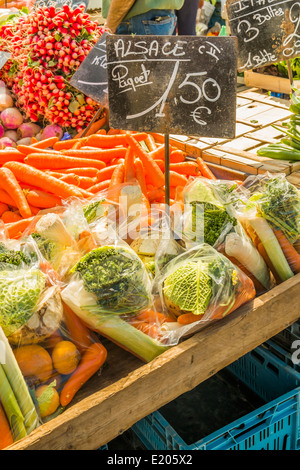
column 43, row 174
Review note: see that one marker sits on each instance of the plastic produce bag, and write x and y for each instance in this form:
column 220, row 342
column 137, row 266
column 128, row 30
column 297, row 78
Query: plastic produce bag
column 205, row 218
column 198, row 287
column 108, row 288
column 49, row 353
column 269, row 210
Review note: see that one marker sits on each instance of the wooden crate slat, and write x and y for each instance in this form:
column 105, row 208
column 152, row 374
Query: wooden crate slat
column 263, row 98
column 252, row 109
column 110, row 410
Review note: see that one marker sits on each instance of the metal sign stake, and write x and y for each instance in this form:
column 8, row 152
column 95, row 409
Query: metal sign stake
column 167, row 172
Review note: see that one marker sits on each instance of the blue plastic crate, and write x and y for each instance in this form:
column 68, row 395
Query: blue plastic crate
column 272, row 426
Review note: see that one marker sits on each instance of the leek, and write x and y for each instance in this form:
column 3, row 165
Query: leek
column 272, row 247
column 11, row 407
column 111, row 325
column 18, row 386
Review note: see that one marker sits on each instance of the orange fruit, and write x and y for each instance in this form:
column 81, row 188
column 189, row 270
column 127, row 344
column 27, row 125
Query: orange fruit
column 65, row 357
column 48, row 400
column 34, row 361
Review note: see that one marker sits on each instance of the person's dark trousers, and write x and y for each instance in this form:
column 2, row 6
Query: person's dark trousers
column 186, row 18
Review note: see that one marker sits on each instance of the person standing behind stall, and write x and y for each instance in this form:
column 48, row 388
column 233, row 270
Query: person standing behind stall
column 142, row 17
column 187, row 16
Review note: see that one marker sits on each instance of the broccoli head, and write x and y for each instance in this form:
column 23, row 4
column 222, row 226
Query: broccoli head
column 116, row 277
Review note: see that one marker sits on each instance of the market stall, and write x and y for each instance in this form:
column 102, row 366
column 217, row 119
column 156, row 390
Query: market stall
column 104, row 305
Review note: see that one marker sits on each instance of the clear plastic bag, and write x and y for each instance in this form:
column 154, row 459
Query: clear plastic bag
column 49, row 354
column 197, row 287
column 268, row 207
column 205, row 218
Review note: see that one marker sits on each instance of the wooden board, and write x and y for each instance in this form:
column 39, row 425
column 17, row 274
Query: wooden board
column 127, row 390
column 267, row 82
column 256, row 115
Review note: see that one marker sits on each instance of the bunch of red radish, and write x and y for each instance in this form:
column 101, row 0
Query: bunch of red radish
column 47, row 47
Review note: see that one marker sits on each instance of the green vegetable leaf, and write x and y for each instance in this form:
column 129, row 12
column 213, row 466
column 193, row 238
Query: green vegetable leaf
column 189, row 287
column 19, row 294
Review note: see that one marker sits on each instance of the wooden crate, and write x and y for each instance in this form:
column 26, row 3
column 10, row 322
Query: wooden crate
column 267, row 82
column 256, row 115
column 128, row 390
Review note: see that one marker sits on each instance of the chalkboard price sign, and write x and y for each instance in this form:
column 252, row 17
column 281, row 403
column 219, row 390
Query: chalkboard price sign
column 91, row 77
column 268, row 31
column 4, row 57
column 172, row 84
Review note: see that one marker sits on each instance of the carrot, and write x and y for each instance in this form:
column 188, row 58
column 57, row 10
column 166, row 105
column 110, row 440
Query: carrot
column 33, row 140
column 34, row 210
column 158, row 153
column 102, row 132
column 46, row 143
column 85, row 182
column 104, row 155
column 109, row 141
column 105, row 173
column 6, row 438
column 291, row 254
column 29, row 175
column 28, row 149
column 95, row 127
column 66, row 144
column 161, row 164
column 156, row 194
column 47, row 268
column 245, row 292
column 205, row 171
column 117, row 176
column 70, row 178
column 187, row 318
column 10, row 155
column 151, row 168
column 150, row 142
column 80, row 335
column 99, row 186
column 177, row 179
column 42, row 199
column 150, row 316
column 79, row 144
column 91, row 172
column 16, row 229
column 60, row 161
column 10, row 216
column 3, row 208
column 140, row 175
column 129, row 169
column 6, row 199
column 92, row 359
column 177, row 156
column 151, row 330
column 185, row 168
column 11, row 185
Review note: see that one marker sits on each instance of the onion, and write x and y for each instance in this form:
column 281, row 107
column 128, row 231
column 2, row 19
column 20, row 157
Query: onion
column 2, row 131
column 6, row 101
column 6, row 142
column 11, row 135
column 28, row 129
column 11, row 118
column 24, row 141
column 52, row 131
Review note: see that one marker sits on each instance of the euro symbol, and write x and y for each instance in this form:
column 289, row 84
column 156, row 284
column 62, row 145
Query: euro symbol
column 196, row 115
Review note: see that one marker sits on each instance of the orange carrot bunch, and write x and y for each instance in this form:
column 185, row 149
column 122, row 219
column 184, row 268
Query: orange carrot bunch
column 41, row 175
